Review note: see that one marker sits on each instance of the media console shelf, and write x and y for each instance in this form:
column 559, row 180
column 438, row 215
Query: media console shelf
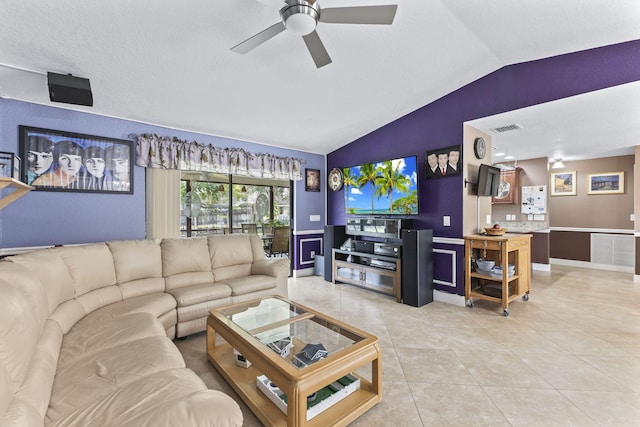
column 394, row 259
column 377, row 272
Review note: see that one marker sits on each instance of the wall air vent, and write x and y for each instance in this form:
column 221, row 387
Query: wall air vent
column 507, row 128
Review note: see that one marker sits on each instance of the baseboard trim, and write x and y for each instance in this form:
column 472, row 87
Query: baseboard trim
column 540, row 267
column 592, row 265
column 304, row 272
column 453, row 299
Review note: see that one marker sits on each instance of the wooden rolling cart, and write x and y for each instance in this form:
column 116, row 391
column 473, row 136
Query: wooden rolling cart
column 514, row 249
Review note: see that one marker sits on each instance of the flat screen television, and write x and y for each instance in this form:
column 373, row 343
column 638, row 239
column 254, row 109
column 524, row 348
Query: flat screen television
column 388, row 187
column 488, row 180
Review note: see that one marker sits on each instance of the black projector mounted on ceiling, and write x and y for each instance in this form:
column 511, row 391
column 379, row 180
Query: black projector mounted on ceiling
column 69, row 89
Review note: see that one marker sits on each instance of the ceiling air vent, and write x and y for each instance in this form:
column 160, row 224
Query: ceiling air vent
column 507, row 128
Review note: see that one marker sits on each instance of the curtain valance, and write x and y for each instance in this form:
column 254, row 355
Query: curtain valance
column 153, row 151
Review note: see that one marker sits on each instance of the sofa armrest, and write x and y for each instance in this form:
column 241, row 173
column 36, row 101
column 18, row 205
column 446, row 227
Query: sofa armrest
column 269, row 267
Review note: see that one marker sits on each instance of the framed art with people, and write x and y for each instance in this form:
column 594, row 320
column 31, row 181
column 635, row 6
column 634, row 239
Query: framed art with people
column 56, row 160
column 446, row 161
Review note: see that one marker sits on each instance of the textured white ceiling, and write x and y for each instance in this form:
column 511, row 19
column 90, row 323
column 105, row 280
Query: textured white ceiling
column 168, row 63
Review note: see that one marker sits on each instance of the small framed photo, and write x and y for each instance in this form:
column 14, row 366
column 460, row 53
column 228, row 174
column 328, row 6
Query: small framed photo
column 563, row 183
column 67, row 161
column 605, row 183
column 9, row 165
column 312, row 179
column 446, row 161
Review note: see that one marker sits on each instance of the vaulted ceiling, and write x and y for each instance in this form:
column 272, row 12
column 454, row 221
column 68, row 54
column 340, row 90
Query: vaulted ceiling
column 169, row 63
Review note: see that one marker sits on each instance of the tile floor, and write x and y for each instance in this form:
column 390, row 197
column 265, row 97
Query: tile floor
column 570, row 356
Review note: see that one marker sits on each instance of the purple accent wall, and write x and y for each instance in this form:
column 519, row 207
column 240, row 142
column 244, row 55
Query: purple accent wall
column 440, row 124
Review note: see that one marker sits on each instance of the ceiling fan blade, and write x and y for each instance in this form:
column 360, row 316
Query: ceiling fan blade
column 316, row 49
column 382, row 15
column 255, row 41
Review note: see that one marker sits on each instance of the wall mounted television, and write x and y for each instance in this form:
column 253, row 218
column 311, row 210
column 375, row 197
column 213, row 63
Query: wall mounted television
column 488, row 180
column 388, row 187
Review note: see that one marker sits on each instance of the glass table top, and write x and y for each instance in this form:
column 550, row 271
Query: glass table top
column 298, row 335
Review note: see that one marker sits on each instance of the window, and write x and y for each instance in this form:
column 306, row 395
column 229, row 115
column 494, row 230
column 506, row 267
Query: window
column 205, row 203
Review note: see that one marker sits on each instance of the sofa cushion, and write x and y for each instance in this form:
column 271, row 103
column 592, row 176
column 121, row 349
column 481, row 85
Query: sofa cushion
column 155, row 304
column 200, row 293
column 103, row 372
column 185, row 262
column 91, row 266
column 136, row 259
column 49, row 268
column 184, row 255
column 232, row 249
column 91, row 334
column 138, row 265
column 175, row 397
column 19, row 334
column 248, row 284
column 231, row 256
column 31, row 400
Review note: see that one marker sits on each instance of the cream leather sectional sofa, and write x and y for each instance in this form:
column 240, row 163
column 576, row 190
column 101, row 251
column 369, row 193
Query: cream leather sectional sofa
column 86, row 331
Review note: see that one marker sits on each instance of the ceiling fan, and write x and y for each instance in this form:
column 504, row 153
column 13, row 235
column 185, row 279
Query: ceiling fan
column 301, row 17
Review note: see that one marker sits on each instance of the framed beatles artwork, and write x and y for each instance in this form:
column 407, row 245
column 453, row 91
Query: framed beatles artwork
column 56, row 160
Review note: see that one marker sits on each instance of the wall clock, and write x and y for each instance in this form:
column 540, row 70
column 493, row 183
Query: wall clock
column 336, row 179
column 479, row 148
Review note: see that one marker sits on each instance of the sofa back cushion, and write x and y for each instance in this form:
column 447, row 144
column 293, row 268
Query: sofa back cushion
column 91, row 267
column 50, row 269
column 138, row 265
column 232, row 255
column 20, row 331
column 185, row 262
column 93, row 274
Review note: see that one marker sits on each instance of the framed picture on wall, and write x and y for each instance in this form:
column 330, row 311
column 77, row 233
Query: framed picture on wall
column 605, row 183
column 563, row 183
column 312, row 179
column 446, row 161
column 65, row 161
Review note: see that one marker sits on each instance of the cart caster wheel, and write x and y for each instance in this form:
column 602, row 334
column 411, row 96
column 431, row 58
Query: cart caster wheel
column 525, row 297
column 505, row 312
column 470, row 303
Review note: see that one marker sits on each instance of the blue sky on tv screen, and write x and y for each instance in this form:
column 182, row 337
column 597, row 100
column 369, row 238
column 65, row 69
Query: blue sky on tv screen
column 396, row 187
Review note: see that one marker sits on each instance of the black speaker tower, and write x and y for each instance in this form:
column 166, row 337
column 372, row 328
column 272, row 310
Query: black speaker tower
column 69, row 89
column 417, row 267
column 334, row 236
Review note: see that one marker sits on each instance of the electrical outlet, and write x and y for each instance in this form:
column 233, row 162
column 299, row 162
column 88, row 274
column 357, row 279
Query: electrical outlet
column 313, row 254
column 446, row 221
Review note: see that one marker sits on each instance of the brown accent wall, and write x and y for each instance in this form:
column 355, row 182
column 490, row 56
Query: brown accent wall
column 572, row 245
column 595, row 211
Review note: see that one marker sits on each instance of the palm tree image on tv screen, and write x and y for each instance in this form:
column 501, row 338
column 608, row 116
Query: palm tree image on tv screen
column 385, row 188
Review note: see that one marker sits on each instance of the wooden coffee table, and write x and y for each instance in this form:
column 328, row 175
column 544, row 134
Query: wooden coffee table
column 249, row 326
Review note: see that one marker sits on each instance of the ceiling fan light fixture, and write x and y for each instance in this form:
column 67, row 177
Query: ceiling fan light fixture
column 300, row 18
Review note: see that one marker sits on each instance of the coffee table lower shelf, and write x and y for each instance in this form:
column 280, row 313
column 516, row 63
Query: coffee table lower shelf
column 243, row 381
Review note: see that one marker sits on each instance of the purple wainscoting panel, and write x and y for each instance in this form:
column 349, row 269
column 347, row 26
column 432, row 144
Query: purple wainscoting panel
column 304, row 245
